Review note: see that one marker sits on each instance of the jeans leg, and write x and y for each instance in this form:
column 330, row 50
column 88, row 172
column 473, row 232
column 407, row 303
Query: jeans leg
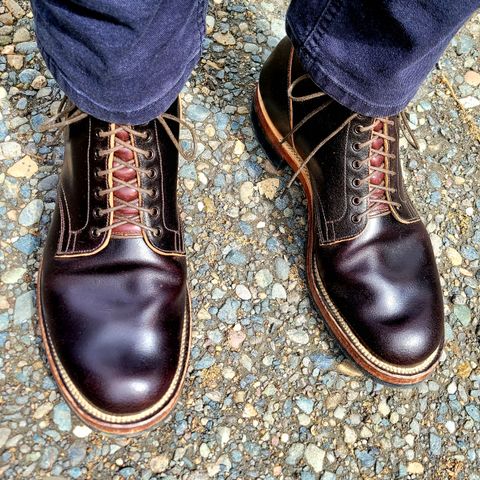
column 372, row 55
column 122, row 61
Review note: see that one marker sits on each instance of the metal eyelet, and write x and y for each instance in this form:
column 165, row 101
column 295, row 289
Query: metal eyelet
column 158, row 232
column 97, row 154
column 154, row 212
column 356, row 164
column 149, row 136
column 357, row 129
column 152, row 173
column 96, row 173
column 153, row 193
column 97, row 212
column 95, row 232
column 97, row 193
column 356, row 200
column 150, row 154
column 98, row 131
column 355, row 219
column 356, row 182
column 356, row 147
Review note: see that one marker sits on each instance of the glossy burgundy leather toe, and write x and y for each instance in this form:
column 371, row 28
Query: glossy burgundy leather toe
column 386, row 286
column 122, row 315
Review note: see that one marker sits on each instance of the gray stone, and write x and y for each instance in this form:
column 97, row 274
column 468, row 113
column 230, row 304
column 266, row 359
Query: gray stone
column 31, row 214
column 435, row 445
column 279, row 292
column 263, row 278
column 462, row 314
column 62, row 417
column 48, row 458
column 314, row 457
column 4, row 435
column 48, row 183
column 27, row 76
column 197, row 113
column 295, row 453
column 282, row 269
column 305, row 404
column 24, row 307
column 228, row 312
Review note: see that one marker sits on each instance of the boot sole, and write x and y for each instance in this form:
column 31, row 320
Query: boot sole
column 281, row 155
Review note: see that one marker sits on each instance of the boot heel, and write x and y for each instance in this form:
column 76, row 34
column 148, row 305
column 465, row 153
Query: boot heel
column 273, row 156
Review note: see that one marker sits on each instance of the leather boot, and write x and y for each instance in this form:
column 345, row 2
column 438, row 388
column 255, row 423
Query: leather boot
column 112, row 292
column 370, row 264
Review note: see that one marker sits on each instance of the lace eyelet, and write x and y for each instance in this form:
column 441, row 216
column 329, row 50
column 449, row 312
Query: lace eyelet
column 152, row 173
column 95, row 233
column 150, row 154
column 97, row 212
column 97, row 193
column 98, row 131
column 357, row 129
column 96, row 173
column 149, row 136
column 356, row 182
column 97, row 154
column 356, row 164
column 355, row 219
column 356, row 201
column 153, row 193
column 158, row 232
column 154, row 212
column 356, row 147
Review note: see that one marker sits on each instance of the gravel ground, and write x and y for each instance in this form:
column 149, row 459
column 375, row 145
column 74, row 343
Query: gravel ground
column 269, row 394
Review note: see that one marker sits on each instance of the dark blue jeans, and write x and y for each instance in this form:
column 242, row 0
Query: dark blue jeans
column 125, row 61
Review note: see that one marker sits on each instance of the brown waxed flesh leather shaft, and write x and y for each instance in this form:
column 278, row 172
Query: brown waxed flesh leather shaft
column 377, row 269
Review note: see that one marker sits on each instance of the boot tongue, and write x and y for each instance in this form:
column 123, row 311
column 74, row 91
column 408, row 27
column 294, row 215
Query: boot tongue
column 377, row 178
column 127, row 194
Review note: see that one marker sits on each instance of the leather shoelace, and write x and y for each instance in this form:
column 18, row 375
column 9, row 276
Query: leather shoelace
column 376, row 160
column 125, row 187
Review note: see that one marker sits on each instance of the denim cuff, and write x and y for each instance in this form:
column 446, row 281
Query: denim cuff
column 373, row 56
column 93, row 106
column 326, row 76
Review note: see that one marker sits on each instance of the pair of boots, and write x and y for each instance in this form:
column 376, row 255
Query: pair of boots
column 113, row 298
